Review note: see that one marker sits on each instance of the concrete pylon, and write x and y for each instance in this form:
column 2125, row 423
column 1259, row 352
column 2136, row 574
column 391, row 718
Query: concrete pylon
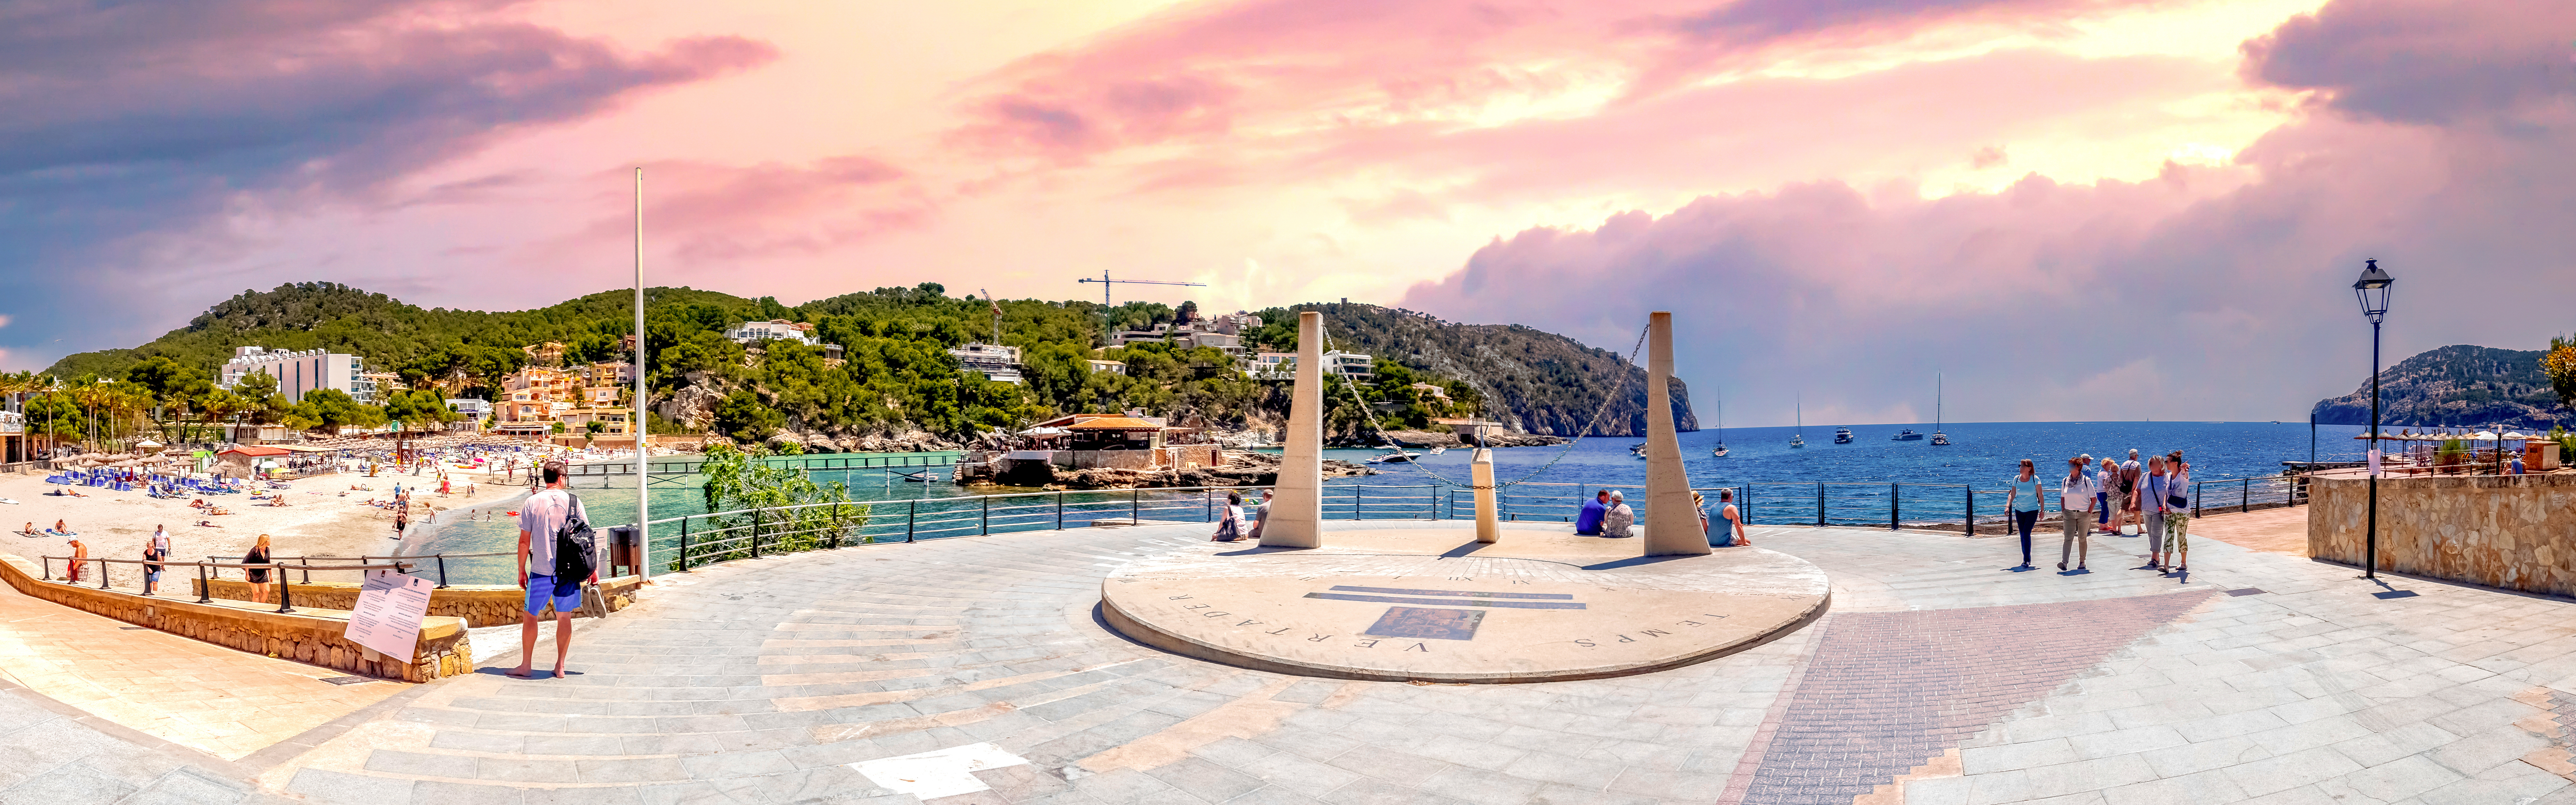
column 1489, row 527
column 1672, row 525
column 1296, row 517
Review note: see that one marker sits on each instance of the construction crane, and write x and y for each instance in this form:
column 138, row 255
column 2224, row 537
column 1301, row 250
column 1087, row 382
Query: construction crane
column 997, row 315
column 1105, row 282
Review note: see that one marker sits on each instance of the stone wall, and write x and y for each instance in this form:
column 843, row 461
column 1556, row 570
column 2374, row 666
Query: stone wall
column 309, row 635
column 478, row 604
column 2513, row 532
column 1173, row 457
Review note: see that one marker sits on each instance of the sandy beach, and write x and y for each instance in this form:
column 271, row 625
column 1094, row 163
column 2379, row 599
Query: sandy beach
column 324, row 517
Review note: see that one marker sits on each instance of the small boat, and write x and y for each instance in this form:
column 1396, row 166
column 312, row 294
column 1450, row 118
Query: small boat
column 1906, row 435
column 1397, row 456
column 1720, row 452
column 1439, row 450
column 1842, row 436
column 1938, row 438
column 1798, row 438
column 1637, row 450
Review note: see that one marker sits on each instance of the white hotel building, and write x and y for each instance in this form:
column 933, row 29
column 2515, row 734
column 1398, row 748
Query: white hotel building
column 300, row 372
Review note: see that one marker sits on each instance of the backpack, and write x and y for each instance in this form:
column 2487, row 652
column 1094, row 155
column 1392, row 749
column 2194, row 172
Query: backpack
column 576, row 544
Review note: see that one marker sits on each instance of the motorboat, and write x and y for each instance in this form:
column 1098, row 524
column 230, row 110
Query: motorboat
column 1906, row 435
column 1842, row 436
column 1439, row 450
column 1397, row 456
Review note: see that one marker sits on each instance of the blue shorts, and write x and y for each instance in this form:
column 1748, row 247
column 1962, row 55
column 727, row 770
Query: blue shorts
column 566, row 596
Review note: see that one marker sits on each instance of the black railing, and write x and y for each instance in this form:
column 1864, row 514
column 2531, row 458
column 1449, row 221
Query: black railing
column 701, row 539
column 2247, row 494
column 206, row 592
column 433, row 563
column 868, row 462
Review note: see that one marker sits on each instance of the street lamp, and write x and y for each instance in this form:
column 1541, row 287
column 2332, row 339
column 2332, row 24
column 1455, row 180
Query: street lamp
column 2372, row 289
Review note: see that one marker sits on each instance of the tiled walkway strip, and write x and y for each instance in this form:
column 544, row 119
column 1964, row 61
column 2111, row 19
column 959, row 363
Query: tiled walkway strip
column 1885, row 692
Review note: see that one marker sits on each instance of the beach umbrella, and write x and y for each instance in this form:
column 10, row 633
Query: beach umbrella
column 2485, row 436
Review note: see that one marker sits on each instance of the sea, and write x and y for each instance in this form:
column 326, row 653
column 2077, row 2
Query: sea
column 1849, row 483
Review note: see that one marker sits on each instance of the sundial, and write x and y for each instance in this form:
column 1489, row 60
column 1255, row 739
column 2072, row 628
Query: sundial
column 1448, row 602
column 1433, row 604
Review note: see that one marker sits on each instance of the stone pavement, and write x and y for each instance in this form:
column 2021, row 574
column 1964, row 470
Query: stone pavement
column 200, row 695
column 874, row 673
column 2282, row 530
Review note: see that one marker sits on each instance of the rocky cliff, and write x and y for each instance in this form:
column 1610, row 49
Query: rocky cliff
column 1534, row 380
column 2458, row 385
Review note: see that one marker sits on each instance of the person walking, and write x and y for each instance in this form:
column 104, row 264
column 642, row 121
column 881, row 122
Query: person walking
column 1229, row 527
column 2075, row 514
column 2152, row 491
column 402, row 520
column 1587, row 523
column 1733, row 533
column 541, row 516
column 155, row 551
column 2131, row 474
column 2178, row 515
column 1615, row 522
column 80, row 556
column 2105, row 477
column 257, row 574
column 2026, row 503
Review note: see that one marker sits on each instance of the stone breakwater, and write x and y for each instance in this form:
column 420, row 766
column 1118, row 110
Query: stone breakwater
column 2509, row 532
column 479, row 605
column 308, row 635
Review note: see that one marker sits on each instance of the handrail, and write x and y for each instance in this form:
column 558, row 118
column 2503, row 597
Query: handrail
column 205, row 590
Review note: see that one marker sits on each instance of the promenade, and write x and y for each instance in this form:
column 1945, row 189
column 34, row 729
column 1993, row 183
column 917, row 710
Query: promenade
column 877, row 673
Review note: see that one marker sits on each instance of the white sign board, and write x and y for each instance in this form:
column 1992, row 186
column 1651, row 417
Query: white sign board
column 387, row 617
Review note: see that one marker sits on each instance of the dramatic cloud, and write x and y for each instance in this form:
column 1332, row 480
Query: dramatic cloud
column 135, row 120
column 2207, row 293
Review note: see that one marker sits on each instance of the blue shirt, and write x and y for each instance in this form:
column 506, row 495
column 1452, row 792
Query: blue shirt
column 2026, row 495
column 1589, row 522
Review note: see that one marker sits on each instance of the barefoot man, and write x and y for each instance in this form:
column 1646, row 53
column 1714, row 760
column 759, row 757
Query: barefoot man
column 539, row 518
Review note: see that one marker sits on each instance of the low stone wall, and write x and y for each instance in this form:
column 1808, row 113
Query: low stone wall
column 309, row 635
column 2513, row 532
column 478, row 604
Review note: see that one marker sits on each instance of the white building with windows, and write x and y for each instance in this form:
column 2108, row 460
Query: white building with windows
column 998, row 363
column 774, row 330
column 301, row 372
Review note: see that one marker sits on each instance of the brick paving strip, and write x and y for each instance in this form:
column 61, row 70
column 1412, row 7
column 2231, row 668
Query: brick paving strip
column 1886, row 692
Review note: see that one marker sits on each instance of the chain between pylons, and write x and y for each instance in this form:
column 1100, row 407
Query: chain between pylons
column 1577, row 441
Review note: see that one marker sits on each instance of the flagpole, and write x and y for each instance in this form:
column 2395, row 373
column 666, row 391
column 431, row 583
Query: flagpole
column 635, row 416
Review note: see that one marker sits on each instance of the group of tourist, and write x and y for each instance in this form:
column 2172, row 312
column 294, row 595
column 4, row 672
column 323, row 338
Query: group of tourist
column 1608, row 515
column 2109, row 496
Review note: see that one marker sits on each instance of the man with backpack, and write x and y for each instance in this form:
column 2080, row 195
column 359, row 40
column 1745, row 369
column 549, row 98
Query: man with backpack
column 556, row 556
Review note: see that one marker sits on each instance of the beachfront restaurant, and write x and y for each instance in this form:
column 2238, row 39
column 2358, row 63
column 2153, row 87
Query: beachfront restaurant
column 1115, row 441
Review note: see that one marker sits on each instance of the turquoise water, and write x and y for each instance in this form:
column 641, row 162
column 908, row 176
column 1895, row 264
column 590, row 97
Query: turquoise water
column 1780, row 480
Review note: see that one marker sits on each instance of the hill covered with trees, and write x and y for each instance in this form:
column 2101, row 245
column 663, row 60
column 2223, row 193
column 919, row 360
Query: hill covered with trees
column 2458, row 385
column 895, row 375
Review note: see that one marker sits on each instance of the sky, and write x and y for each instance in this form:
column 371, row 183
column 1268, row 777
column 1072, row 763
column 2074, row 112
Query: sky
column 2067, row 210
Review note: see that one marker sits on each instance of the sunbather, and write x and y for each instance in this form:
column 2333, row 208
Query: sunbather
column 208, row 524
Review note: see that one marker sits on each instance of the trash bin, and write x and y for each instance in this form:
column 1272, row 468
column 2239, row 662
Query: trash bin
column 622, row 544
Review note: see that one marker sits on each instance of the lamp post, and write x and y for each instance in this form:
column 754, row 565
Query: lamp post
column 2372, row 289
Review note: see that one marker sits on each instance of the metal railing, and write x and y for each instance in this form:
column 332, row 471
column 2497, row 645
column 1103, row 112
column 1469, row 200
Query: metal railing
column 2245, row 494
column 205, row 591
column 438, row 562
column 699, row 540
column 867, row 462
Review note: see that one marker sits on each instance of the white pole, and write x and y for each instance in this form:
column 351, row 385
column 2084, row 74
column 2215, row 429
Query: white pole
column 635, row 416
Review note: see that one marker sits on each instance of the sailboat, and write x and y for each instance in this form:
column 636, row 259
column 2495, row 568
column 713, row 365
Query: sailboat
column 1938, row 438
column 1798, row 438
column 1721, row 424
